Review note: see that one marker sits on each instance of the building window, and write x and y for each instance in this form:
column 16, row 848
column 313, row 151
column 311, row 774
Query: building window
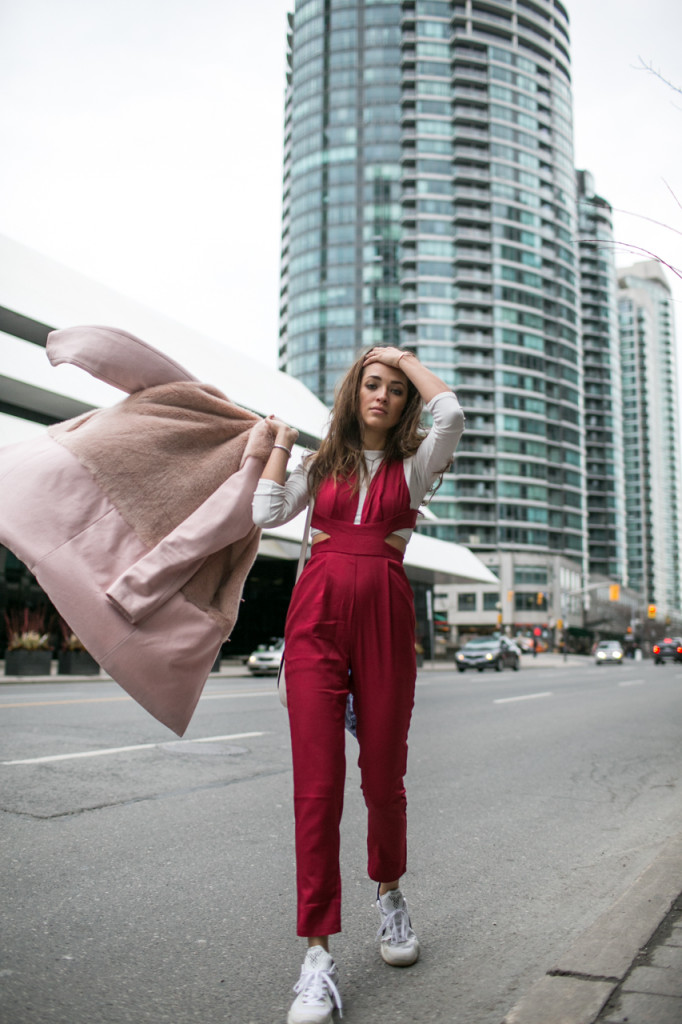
column 535, row 602
column 491, row 601
column 533, row 574
column 466, row 602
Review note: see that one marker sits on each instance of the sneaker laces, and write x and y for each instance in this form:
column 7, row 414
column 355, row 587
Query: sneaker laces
column 396, row 925
column 316, row 985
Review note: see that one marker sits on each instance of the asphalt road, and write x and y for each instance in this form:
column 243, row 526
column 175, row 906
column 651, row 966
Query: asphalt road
column 149, row 879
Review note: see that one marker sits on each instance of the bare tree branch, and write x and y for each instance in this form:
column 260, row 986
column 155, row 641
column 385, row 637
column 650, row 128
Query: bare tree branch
column 672, row 193
column 651, row 220
column 657, row 74
column 636, row 250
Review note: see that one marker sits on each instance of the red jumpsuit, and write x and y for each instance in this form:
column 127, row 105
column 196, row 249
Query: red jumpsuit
column 352, row 611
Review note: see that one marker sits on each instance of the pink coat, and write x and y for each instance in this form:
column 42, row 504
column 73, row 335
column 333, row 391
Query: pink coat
column 136, row 520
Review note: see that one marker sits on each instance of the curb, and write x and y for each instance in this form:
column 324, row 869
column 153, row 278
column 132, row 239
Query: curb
column 578, row 987
column 225, row 672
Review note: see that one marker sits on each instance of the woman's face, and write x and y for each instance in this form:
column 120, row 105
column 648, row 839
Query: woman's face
column 382, row 398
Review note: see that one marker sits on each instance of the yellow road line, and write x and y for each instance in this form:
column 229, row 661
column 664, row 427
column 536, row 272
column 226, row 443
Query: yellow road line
column 52, row 703
column 110, row 700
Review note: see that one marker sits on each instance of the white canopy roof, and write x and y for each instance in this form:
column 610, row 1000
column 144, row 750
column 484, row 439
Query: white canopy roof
column 41, row 290
column 35, row 287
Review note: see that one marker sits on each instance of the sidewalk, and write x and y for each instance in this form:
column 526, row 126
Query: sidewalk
column 626, row 968
column 227, row 669
column 238, row 668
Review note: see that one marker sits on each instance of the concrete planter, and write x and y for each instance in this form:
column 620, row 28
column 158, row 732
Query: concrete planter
column 27, row 663
column 77, row 663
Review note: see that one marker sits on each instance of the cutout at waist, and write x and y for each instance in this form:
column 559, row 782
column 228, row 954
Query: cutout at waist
column 397, row 542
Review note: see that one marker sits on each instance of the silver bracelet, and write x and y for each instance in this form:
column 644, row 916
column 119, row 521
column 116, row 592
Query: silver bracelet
column 284, row 448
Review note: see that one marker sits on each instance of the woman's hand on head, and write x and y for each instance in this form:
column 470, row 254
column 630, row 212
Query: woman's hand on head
column 386, row 354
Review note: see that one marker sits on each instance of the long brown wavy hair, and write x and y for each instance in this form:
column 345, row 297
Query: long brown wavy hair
column 341, row 454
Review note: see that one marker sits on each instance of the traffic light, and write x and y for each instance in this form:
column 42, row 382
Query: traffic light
column 614, row 592
column 540, row 597
column 651, row 611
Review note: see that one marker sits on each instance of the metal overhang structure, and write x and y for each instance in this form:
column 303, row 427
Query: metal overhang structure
column 37, row 295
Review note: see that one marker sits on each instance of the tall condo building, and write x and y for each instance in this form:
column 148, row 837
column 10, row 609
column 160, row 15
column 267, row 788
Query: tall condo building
column 602, row 386
column 651, row 435
column 430, row 202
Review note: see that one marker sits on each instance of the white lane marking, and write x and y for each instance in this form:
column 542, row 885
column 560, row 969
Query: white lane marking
column 632, row 682
column 124, row 750
column 527, row 696
column 243, row 693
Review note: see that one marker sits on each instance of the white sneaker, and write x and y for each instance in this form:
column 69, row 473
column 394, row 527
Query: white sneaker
column 316, row 988
column 399, row 944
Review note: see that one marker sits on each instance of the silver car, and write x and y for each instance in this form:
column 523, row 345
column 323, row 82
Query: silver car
column 266, row 659
column 608, row 651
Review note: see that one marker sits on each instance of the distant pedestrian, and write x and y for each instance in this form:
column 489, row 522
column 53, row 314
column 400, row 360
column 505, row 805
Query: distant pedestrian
column 351, row 629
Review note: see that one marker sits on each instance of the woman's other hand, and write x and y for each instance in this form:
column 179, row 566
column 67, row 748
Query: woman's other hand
column 388, row 355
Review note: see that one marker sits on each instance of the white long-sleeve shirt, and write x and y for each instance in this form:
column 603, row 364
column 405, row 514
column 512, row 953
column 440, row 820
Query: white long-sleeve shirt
column 275, row 504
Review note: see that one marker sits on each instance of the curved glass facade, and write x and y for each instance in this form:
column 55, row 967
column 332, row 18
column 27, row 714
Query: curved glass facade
column 342, row 213
column 430, row 202
column 602, row 385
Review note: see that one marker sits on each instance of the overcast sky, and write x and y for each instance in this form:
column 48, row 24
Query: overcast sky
column 142, row 144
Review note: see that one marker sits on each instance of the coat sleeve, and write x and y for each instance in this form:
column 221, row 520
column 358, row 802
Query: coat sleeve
column 115, row 357
column 225, row 517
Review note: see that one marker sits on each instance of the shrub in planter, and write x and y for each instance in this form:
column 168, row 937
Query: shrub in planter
column 28, row 649
column 73, row 659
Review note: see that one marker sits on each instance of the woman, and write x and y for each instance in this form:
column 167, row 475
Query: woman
column 351, row 629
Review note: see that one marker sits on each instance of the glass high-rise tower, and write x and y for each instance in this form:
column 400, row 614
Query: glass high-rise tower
column 430, row 202
column 602, row 385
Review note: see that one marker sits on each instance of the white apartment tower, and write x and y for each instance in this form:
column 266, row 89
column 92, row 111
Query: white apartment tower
column 651, row 435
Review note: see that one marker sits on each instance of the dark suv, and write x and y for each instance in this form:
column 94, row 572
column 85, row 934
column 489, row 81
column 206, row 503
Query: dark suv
column 488, row 652
column 668, row 649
